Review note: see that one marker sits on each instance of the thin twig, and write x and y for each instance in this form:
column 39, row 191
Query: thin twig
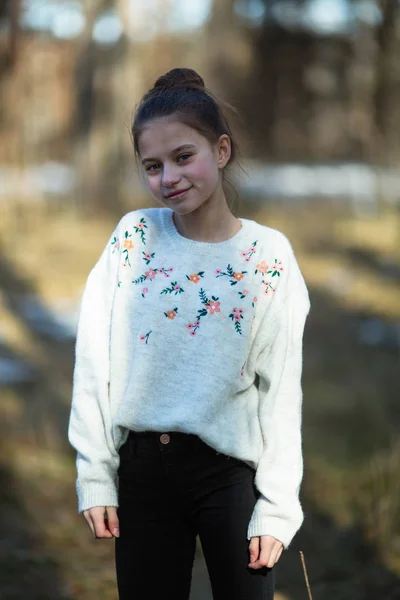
column 305, row 575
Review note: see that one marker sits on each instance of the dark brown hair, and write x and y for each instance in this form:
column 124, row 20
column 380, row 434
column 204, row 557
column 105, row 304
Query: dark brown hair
column 182, row 92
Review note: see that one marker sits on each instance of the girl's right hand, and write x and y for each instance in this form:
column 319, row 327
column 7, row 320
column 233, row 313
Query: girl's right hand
column 103, row 521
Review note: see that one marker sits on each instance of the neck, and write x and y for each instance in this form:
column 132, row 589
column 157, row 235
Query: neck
column 211, row 222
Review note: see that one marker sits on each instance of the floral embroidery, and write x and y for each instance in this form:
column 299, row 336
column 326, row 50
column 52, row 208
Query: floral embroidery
column 147, row 257
column 174, row 288
column 247, row 254
column 243, row 294
column 139, row 228
column 115, row 243
column 211, row 306
column 171, row 314
column 272, row 270
column 151, row 274
column 128, row 245
column 236, row 315
column 275, row 269
column 255, row 299
column 193, row 326
column 234, row 276
column 145, row 337
column 195, row 278
column 268, row 287
column 144, row 292
column 262, row 267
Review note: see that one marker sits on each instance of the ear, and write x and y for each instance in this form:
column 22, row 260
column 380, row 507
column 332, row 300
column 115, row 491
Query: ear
column 224, row 150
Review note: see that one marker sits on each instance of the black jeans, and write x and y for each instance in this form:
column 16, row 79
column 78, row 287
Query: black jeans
column 173, row 487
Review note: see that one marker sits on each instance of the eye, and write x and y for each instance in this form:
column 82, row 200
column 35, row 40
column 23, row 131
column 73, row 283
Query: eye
column 184, row 157
column 152, row 168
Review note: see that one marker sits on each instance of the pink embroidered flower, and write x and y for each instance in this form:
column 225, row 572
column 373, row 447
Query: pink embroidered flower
column 142, row 338
column 247, row 259
column 218, row 271
column 243, row 254
column 147, row 255
column 245, row 292
column 190, row 326
column 193, row 333
column 255, row 299
column 177, row 287
column 145, row 290
column 140, row 225
column 150, row 274
column 251, row 250
column 197, row 323
column 237, row 312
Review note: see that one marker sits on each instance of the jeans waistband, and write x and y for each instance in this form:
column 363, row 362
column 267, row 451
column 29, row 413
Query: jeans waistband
column 163, row 439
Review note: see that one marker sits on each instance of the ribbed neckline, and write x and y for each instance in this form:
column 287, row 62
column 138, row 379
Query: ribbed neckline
column 169, row 227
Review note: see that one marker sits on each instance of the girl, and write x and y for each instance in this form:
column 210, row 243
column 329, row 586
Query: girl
column 186, row 411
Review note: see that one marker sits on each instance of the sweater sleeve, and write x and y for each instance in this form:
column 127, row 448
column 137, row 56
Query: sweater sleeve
column 90, row 423
column 278, row 511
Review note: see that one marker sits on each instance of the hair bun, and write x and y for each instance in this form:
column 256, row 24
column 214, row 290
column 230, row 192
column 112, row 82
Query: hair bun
column 179, row 77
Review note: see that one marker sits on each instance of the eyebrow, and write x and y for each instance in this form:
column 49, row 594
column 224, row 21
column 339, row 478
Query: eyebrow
column 175, row 151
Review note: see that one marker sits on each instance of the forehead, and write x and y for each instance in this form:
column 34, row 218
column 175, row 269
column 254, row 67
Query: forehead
column 163, row 136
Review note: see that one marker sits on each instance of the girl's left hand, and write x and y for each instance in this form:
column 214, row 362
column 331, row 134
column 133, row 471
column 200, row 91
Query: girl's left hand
column 265, row 551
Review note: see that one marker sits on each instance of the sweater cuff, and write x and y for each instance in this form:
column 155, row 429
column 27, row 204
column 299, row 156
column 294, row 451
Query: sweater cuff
column 283, row 529
column 96, row 495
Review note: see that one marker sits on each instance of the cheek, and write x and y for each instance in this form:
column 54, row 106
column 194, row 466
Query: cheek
column 204, row 171
column 154, row 184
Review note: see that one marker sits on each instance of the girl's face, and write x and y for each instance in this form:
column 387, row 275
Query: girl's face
column 183, row 169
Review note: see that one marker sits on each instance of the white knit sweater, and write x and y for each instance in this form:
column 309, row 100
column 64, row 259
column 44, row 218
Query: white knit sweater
column 204, row 338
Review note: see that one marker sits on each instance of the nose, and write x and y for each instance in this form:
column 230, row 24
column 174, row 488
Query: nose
column 170, row 175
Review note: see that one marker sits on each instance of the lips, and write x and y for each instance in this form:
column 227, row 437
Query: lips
column 177, row 193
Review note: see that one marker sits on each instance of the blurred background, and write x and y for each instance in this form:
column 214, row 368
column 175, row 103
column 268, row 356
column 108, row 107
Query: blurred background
column 317, row 86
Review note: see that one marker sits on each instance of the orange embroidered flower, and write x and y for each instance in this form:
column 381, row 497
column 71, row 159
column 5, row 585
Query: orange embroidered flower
column 262, row 267
column 238, row 276
column 171, row 314
column 194, row 278
column 128, row 244
column 213, row 307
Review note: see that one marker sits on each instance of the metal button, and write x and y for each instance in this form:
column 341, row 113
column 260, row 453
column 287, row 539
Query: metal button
column 164, row 438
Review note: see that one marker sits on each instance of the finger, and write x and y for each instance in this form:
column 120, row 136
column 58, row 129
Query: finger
column 279, row 554
column 269, row 554
column 112, row 520
column 89, row 521
column 265, row 554
column 254, row 549
column 100, row 530
column 273, row 555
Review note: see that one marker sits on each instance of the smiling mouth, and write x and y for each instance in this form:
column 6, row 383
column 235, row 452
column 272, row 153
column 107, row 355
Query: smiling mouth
column 178, row 194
